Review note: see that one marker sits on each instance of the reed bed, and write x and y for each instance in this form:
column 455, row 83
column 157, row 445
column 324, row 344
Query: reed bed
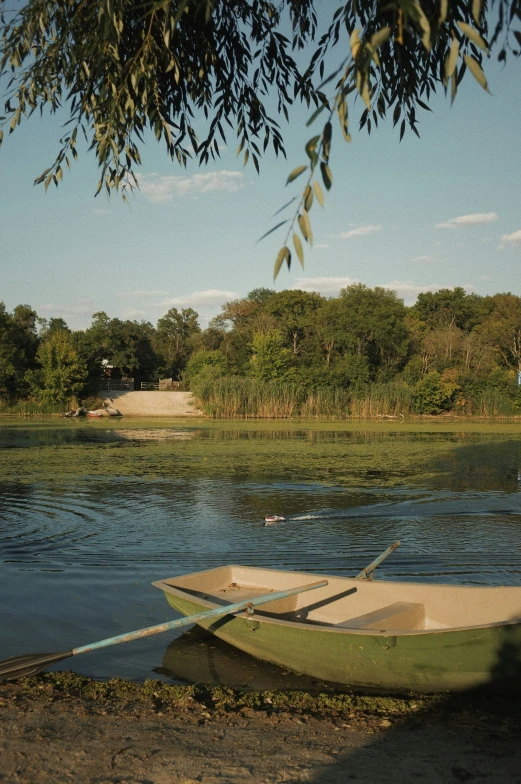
column 28, row 408
column 237, row 397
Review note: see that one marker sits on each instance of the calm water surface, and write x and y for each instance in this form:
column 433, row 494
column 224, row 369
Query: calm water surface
column 90, row 515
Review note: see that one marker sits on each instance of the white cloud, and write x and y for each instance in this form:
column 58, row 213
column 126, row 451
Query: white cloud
column 361, row 231
column 476, row 219
column 322, row 245
column 329, row 287
column 485, row 277
column 100, row 212
column 208, row 297
column 512, row 239
column 142, row 293
column 65, row 311
column 161, row 189
column 422, row 258
column 133, row 313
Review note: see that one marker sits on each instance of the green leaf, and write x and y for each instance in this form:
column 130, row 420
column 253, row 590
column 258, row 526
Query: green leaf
column 453, row 88
column 452, row 59
column 296, row 173
column 310, row 149
column 327, row 177
column 315, row 114
column 444, row 8
column 476, row 11
column 308, row 198
column 423, row 23
column 473, row 35
column 380, row 37
column 318, row 193
column 283, row 255
column 305, row 227
column 298, row 247
column 274, row 228
column 281, row 209
column 475, row 69
column 362, row 85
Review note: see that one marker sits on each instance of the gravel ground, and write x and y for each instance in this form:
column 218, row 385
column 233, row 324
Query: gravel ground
column 51, row 734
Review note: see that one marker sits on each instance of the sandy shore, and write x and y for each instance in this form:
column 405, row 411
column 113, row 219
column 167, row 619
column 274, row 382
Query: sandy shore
column 152, row 404
column 53, row 730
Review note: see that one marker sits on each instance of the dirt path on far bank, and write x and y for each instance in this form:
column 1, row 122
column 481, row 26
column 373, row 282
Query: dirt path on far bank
column 50, row 735
column 149, row 404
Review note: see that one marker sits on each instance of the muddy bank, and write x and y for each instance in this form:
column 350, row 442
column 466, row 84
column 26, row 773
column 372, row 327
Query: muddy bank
column 63, row 727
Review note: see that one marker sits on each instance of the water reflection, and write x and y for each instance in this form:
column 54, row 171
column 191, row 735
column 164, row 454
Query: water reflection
column 77, row 556
column 199, row 657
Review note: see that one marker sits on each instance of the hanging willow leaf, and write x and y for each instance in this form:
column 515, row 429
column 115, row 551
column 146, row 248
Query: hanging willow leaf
column 283, row 255
column 473, row 35
column 327, row 177
column 380, row 37
column 315, row 115
column 355, row 43
column 453, row 88
column 311, row 149
column 308, row 198
column 305, row 227
column 476, row 11
column 296, row 173
column 422, row 21
column 299, row 249
column 476, row 71
column 274, row 228
column 452, row 59
column 318, row 193
column 362, row 85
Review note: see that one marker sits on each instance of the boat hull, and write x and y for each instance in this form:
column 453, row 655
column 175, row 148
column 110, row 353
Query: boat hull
column 431, row 661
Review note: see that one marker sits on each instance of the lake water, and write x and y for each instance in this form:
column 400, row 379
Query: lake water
column 92, row 512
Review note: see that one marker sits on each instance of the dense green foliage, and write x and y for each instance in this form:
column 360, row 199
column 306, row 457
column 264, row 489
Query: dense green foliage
column 289, row 353
column 189, row 70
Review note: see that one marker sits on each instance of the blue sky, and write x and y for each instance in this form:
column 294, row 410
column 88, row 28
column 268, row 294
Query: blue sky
column 439, row 211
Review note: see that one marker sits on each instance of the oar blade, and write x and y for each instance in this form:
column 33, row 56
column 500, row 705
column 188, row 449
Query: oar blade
column 28, row 664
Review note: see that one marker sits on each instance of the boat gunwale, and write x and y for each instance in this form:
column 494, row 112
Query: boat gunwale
column 166, row 588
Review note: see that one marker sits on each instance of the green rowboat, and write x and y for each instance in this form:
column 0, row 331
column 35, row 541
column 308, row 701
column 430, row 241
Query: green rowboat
column 368, row 635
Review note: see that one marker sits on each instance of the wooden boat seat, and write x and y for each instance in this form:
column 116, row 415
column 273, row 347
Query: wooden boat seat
column 398, row 616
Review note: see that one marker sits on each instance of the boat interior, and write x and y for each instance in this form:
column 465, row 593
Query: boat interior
column 357, row 605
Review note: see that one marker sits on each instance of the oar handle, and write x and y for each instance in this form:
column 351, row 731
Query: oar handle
column 366, row 574
column 227, row 609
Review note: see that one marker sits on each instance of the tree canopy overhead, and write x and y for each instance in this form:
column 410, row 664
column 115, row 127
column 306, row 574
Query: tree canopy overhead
column 194, row 71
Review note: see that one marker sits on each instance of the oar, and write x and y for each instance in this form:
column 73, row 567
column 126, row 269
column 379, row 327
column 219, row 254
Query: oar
column 32, row 663
column 367, row 573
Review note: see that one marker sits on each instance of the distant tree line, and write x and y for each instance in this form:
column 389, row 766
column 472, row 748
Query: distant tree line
column 290, row 352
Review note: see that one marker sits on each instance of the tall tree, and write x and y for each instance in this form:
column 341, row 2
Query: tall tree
column 373, row 325
column 61, row 373
column 18, row 347
column 172, row 340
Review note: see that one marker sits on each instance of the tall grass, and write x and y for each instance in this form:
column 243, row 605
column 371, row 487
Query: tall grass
column 495, row 402
column 381, row 400
column 238, row 397
column 29, row 408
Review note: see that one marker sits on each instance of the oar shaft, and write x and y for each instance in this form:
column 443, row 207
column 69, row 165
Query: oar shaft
column 365, row 573
column 217, row 613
